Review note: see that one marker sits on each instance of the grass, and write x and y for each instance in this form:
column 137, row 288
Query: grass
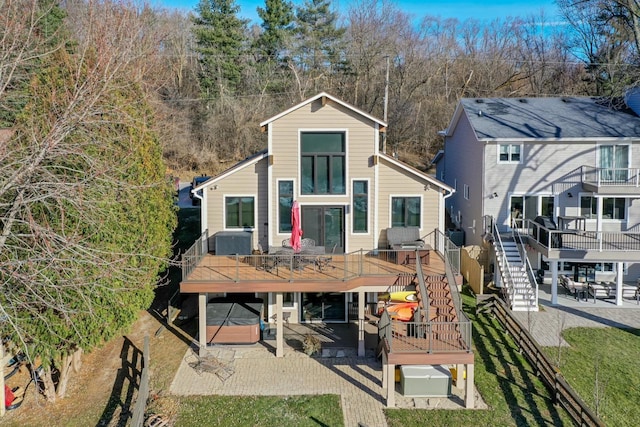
column 505, row 380
column 604, row 362
column 322, row 410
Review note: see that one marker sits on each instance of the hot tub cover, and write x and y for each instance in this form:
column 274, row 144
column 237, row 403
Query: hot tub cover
column 232, row 312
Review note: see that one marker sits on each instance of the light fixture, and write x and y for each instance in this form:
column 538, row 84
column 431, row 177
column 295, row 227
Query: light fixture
column 215, row 187
column 569, row 194
column 427, row 187
column 493, row 196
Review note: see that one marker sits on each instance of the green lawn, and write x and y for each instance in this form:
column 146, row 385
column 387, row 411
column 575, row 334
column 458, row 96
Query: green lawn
column 505, row 380
column 299, row 411
column 604, row 362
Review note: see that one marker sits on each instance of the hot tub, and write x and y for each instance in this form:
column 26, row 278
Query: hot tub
column 232, row 321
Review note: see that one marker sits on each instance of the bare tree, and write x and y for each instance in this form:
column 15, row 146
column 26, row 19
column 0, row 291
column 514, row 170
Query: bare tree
column 73, row 189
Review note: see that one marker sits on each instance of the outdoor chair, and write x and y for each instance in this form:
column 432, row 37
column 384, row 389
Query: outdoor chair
column 266, row 262
column 598, row 290
column 324, row 261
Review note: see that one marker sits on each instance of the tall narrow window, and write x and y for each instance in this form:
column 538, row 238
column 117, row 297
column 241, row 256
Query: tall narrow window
column 285, row 201
column 239, row 212
column 322, row 162
column 405, row 211
column 360, row 206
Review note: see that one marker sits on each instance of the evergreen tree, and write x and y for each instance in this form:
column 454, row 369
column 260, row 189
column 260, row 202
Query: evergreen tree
column 220, row 38
column 277, row 25
column 319, row 40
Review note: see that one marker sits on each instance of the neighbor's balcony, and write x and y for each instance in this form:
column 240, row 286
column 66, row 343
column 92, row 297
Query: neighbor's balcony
column 611, row 181
column 604, row 246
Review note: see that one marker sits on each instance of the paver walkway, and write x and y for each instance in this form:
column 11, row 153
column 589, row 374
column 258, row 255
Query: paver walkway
column 545, row 326
column 256, row 371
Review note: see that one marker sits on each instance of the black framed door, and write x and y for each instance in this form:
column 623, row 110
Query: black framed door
column 324, row 224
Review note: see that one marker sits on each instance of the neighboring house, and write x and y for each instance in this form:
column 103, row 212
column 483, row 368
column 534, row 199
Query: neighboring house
column 324, row 154
column 574, row 160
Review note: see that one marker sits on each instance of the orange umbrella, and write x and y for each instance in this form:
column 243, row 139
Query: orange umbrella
column 296, row 231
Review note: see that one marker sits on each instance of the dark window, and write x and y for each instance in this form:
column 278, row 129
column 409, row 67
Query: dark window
column 360, row 206
column 239, row 212
column 322, row 162
column 612, row 207
column 285, row 201
column 405, row 211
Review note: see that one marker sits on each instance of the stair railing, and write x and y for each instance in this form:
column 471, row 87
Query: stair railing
column 503, row 267
column 525, row 259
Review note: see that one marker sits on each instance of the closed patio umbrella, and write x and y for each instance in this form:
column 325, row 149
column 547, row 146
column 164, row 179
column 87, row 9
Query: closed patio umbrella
column 296, row 231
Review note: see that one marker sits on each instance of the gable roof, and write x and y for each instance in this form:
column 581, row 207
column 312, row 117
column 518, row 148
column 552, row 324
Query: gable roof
column 251, row 160
column 416, row 172
column 546, row 118
column 325, row 96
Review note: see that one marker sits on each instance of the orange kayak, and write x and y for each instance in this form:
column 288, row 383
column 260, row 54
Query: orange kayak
column 402, row 311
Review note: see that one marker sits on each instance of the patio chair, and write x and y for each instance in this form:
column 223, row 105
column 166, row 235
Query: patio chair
column 597, row 290
column 267, row 262
column 324, row 261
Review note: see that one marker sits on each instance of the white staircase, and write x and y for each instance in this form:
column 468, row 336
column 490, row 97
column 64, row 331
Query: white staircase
column 517, row 286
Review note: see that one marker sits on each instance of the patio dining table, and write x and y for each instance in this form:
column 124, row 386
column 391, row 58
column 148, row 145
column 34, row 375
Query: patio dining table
column 286, row 256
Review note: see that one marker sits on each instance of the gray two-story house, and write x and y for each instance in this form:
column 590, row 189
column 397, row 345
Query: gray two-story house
column 564, row 173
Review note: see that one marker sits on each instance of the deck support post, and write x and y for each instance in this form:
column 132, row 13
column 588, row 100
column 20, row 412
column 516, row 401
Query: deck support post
column 361, row 304
column 459, row 379
column 469, row 395
column 619, row 284
column 554, row 283
column 389, row 380
column 202, row 320
column 279, row 326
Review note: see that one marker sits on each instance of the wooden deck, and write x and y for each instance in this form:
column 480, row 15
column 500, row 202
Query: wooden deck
column 265, row 273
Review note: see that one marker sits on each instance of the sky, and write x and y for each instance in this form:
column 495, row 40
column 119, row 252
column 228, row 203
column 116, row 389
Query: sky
column 461, row 9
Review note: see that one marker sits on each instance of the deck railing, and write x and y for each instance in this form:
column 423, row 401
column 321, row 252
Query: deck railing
column 421, row 337
column 583, row 240
column 194, row 254
column 440, row 242
column 619, row 177
column 342, row 267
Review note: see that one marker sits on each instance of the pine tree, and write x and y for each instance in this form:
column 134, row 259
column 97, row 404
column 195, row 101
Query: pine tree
column 220, row 38
column 277, row 25
column 319, row 40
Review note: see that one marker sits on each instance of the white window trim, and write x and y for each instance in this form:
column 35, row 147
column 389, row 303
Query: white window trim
column 607, row 220
column 509, row 162
column 224, row 211
column 346, row 159
column 278, row 233
column 347, row 214
column 466, row 192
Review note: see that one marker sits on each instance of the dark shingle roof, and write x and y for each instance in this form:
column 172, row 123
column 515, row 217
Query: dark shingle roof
column 567, row 117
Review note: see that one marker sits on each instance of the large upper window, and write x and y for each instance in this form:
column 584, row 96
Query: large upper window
column 612, row 207
column 285, row 201
column 322, row 162
column 239, row 212
column 614, row 160
column 405, row 211
column 509, row 153
column 360, row 206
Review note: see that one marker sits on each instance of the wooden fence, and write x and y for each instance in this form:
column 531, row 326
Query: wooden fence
column 561, row 392
column 140, row 407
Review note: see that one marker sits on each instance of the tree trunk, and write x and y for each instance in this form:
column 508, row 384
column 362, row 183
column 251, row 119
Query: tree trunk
column 49, row 388
column 69, row 363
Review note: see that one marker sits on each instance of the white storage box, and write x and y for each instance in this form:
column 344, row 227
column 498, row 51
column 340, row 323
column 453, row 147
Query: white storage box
column 425, row 381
